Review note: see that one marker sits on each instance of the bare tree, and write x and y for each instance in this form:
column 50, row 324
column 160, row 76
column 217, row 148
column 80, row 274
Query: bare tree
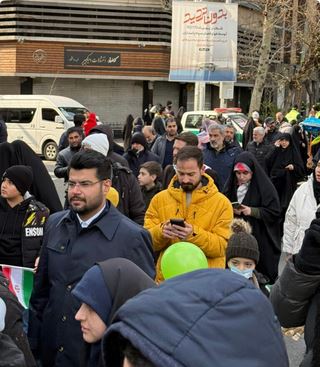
column 263, row 66
column 298, row 49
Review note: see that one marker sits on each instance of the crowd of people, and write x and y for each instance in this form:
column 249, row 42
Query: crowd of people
column 100, row 297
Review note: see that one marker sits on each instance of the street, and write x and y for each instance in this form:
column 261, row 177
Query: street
column 295, row 348
column 57, row 181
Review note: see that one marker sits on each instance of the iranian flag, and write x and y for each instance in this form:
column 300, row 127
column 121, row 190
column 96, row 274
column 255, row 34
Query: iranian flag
column 21, row 282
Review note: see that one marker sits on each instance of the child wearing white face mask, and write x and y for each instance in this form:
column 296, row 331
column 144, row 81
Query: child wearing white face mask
column 242, row 254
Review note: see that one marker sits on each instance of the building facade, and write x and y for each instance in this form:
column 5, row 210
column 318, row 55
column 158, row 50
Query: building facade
column 111, row 56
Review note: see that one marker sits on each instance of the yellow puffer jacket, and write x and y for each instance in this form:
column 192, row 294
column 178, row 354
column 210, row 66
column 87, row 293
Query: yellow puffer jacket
column 292, row 115
column 209, row 212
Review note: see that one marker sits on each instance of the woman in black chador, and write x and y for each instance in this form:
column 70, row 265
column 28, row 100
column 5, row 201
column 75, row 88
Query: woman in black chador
column 43, row 188
column 285, row 168
column 256, row 201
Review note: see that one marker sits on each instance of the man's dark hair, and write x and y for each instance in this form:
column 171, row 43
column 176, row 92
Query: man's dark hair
column 161, row 109
column 229, row 125
column 135, row 357
column 169, row 120
column 189, row 138
column 154, row 168
column 75, row 129
column 78, row 119
column 92, row 159
column 269, row 120
column 190, row 152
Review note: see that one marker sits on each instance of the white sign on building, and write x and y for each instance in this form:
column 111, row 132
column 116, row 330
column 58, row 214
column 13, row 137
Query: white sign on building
column 204, row 42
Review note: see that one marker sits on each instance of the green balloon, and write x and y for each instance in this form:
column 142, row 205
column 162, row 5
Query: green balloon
column 182, row 257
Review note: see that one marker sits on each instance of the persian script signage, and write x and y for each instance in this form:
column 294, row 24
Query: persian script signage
column 75, row 58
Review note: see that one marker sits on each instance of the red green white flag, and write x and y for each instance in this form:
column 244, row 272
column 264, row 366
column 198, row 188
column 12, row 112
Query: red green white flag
column 20, row 282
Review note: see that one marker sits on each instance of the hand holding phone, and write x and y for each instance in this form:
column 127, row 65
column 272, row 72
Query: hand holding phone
column 178, row 222
column 236, row 205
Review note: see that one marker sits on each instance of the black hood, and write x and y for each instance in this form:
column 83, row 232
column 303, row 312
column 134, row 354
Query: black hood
column 108, row 285
column 124, row 280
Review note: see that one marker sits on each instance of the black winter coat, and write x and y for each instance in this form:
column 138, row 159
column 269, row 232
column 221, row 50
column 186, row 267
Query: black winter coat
column 296, row 301
column 10, row 354
column 131, row 202
column 63, row 159
column 13, row 323
column 68, row 251
column 136, row 159
column 3, row 131
column 260, row 151
column 31, row 230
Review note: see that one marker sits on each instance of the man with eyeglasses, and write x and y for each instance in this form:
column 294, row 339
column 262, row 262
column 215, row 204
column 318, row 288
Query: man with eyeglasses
column 92, row 230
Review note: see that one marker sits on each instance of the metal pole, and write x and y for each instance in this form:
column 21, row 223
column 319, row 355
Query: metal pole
column 199, row 90
column 223, row 102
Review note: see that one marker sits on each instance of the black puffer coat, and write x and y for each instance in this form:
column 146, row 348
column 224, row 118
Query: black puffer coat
column 296, row 301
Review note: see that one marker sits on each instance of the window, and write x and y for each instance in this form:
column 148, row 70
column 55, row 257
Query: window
column 194, row 121
column 69, row 112
column 17, row 115
column 49, row 114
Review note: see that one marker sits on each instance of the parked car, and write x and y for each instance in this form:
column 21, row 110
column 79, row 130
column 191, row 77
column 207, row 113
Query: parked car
column 38, row 120
column 192, row 120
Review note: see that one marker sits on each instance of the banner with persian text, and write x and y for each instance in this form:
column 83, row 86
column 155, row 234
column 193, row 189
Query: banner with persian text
column 204, row 42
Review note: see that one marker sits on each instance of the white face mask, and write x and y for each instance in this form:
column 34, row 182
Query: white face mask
column 255, row 115
column 245, row 273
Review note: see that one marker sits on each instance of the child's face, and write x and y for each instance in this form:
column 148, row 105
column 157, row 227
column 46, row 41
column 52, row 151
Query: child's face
column 145, row 178
column 241, row 263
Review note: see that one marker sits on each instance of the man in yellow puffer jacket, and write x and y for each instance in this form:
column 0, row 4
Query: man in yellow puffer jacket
column 293, row 115
column 193, row 197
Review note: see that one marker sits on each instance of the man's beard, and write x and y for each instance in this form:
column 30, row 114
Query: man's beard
column 87, row 207
column 75, row 148
column 213, row 145
column 189, row 187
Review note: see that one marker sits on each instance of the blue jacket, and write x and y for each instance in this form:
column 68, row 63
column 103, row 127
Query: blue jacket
column 208, row 317
column 68, row 251
column 221, row 162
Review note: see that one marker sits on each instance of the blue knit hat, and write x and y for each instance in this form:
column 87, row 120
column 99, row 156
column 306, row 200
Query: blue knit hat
column 92, row 290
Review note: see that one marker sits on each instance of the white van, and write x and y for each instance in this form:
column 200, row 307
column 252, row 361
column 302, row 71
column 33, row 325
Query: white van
column 38, row 120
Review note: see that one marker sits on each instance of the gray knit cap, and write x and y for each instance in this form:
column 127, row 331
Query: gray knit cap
column 242, row 243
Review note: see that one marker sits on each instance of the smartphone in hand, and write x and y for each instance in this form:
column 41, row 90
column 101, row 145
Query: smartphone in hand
column 178, row 222
column 236, row 205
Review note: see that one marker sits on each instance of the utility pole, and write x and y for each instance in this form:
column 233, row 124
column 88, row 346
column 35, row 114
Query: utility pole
column 223, row 86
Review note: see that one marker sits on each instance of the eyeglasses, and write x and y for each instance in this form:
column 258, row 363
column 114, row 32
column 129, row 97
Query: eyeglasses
column 82, row 184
